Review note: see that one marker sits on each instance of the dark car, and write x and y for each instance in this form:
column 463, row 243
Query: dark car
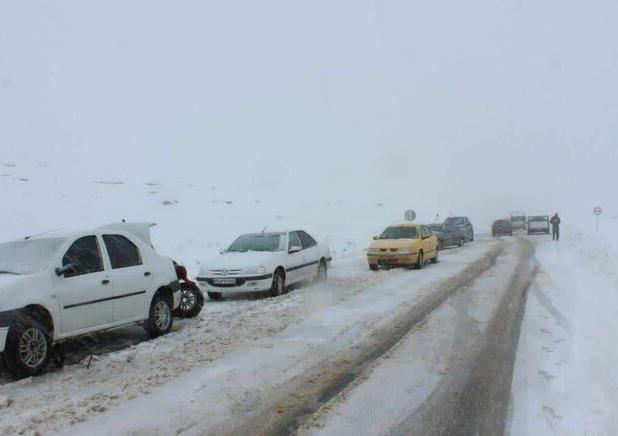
column 502, row 227
column 448, row 235
column 462, row 223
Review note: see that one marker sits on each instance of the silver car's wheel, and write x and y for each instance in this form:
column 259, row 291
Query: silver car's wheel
column 32, row 348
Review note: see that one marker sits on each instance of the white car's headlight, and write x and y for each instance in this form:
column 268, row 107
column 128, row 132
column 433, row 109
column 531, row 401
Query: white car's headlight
column 405, row 251
column 261, row 270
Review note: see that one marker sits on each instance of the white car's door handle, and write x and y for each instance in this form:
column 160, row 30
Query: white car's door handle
column 105, row 282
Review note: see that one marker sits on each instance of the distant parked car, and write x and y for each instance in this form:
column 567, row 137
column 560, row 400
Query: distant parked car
column 408, row 245
column 265, row 262
column 501, row 228
column 538, row 224
column 448, row 235
column 462, row 223
column 518, row 220
column 65, row 284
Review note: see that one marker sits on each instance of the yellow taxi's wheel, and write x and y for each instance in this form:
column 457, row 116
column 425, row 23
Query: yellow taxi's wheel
column 435, row 258
column 420, row 260
column 373, row 267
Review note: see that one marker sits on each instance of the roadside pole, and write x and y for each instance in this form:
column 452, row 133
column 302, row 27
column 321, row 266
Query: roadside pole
column 597, row 211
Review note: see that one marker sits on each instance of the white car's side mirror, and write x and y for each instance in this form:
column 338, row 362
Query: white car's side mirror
column 294, row 249
column 69, row 268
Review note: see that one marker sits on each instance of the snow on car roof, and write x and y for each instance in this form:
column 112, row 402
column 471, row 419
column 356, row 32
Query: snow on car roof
column 140, row 230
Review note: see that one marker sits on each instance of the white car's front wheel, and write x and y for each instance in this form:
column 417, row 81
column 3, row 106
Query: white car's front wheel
column 28, row 347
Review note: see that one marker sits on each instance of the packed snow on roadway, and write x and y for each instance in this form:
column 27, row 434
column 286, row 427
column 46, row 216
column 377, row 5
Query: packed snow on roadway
column 241, row 355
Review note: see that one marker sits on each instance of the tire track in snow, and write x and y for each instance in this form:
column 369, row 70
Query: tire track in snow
column 305, row 394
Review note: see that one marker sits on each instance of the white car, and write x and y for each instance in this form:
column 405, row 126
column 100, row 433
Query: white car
column 538, row 224
column 265, row 262
column 61, row 285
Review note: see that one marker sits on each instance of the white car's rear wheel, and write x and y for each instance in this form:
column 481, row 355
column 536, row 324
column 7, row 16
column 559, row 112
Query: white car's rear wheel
column 322, row 272
column 160, row 320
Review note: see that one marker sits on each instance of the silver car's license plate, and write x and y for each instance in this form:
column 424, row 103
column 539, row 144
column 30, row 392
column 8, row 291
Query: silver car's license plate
column 224, row 281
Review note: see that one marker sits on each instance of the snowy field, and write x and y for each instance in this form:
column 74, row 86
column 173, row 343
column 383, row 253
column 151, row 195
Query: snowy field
column 566, row 377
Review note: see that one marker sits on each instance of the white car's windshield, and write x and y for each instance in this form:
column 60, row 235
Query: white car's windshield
column 27, row 256
column 259, row 242
column 399, row 233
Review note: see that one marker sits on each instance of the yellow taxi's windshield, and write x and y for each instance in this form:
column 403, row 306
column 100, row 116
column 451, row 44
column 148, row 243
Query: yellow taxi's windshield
column 399, row 233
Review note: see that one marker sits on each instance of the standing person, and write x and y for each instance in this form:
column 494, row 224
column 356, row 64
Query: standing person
column 555, row 227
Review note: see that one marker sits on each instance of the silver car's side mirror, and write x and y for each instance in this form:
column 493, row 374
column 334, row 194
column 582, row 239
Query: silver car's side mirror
column 294, row 249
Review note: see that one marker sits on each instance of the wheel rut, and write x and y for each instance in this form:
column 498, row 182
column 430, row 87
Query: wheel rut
column 305, row 394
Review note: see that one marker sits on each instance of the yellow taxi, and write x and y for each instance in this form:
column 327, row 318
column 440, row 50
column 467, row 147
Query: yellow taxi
column 408, row 245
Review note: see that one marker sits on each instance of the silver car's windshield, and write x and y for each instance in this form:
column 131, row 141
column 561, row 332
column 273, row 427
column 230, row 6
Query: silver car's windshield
column 27, row 256
column 261, row 242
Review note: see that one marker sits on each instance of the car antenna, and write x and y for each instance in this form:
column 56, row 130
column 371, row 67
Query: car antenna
column 264, row 229
column 43, row 233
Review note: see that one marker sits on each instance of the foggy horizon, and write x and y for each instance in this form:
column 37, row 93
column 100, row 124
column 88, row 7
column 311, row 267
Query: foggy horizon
column 472, row 108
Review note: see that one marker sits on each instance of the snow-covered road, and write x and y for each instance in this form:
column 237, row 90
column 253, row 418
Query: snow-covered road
column 232, row 360
column 451, row 373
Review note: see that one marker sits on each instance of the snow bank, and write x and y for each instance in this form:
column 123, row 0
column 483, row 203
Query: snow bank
column 566, row 377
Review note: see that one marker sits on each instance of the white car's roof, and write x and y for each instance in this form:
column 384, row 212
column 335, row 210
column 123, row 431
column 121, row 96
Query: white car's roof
column 139, row 230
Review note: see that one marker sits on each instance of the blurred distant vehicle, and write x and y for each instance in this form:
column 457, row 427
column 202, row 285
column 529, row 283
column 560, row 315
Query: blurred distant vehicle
column 518, row 220
column 538, row 224
column 462, row 223
column 65, row 284
column 408, row 245
column 501, row 228
column 265, row 262
column 448, row 235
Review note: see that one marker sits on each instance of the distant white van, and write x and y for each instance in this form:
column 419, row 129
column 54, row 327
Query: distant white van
column 518, row 220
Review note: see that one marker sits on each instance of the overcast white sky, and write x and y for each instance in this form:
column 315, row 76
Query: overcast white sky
column 453, row 105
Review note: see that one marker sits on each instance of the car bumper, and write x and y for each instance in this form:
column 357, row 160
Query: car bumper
column 241, row 284
column 391, row 259
column 4, row 332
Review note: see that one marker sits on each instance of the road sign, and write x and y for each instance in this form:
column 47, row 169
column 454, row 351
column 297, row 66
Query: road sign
column 410, row 215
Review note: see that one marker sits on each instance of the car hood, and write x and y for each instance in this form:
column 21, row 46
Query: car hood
column 235, row 260
column 393, row 243
column 8, row 280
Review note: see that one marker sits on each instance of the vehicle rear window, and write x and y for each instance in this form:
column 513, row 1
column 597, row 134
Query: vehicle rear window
column 539, row 219
column 122, row 252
